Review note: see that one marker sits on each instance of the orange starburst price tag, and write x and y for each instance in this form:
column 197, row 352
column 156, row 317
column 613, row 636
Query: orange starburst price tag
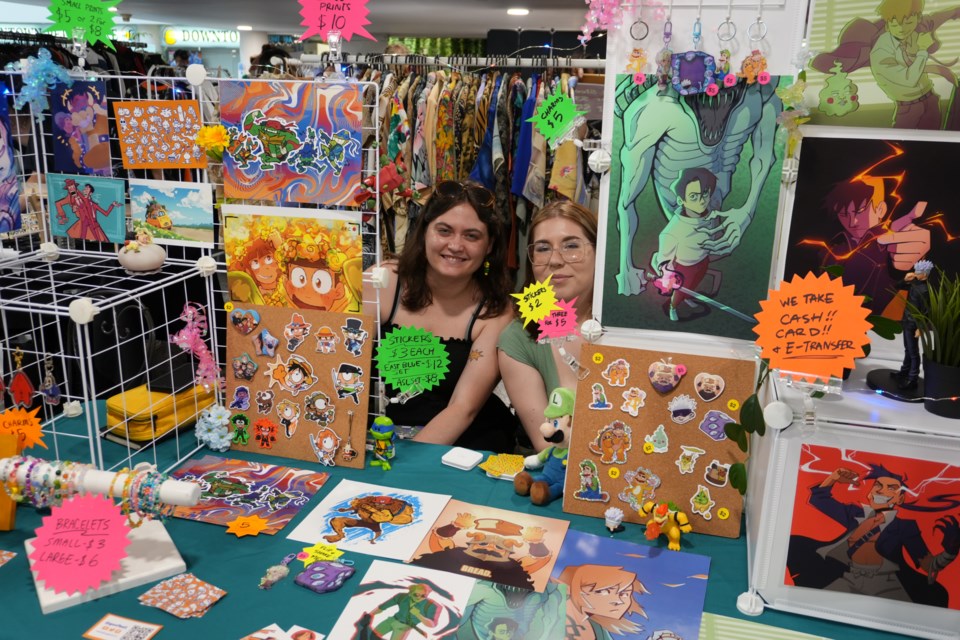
column 23, row 424
column 812, row 327
column 247, row 526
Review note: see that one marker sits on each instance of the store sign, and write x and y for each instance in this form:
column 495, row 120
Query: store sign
column 200, row 37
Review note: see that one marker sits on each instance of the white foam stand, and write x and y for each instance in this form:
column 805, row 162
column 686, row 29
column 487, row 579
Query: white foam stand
column 151, row 555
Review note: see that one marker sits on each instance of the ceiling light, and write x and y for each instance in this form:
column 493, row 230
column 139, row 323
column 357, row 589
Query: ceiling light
column 518, row 11
column 113, row 9
column 244, row 27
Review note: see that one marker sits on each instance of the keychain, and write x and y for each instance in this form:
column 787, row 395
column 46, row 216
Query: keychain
column 754, row 66
column 692, row 72
column 726, row 32
column 639, row 30
column 20, row 387
column 49, row 388
column 348, row 453
column 665, row 57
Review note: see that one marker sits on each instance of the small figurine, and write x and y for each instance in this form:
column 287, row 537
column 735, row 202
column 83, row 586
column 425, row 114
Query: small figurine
column 546, row 486
column 918, row 296
column 141, row 255
column 383, row 435
column 666, row 519
column 613, row 517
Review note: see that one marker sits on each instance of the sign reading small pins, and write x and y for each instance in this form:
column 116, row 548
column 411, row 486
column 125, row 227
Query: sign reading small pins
column 93, row 16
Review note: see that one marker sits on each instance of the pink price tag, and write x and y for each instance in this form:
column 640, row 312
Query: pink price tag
column 729, row 80
column 561, row 322
column 80, row 544
column 763, row 77
column 640, row 77
column 349, row 18
column 712, row 89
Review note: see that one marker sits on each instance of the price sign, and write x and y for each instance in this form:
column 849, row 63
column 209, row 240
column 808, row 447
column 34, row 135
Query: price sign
column 247, row 526
column 555, row 116
column 536, row 301
column 93, row 16
column 560, row 323
column 80, row 544
column 23, row 424
column 318, row 552
column 322, row 16
column 410, row 358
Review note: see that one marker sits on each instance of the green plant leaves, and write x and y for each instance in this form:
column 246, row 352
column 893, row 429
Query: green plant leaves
column 884, row 327
column 751, row 416
column 738, row 477
column 738, row 434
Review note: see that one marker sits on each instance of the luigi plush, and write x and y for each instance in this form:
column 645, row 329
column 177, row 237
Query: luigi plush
column 546, row 485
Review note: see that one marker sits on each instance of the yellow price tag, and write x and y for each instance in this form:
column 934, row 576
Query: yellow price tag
column 598, row 358
column 228, row 307
column 536, row 301
column 648, row 447
column 733, row 405
column 723, row 513
column 319, row 552
column 613, row 472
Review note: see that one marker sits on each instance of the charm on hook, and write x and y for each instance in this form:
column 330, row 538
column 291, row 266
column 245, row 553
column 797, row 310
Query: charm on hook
column 49, row 387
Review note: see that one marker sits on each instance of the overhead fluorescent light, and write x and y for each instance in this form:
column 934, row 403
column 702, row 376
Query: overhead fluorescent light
column 244, row 27
column 518, row 11
column 113, row 9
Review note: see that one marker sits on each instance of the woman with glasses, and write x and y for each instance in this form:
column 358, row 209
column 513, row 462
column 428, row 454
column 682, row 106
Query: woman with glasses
column 451, row 280
column 562, row 239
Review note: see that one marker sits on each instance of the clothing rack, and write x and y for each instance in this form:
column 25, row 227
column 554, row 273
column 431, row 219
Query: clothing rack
column 458, row 61
column 32, row 38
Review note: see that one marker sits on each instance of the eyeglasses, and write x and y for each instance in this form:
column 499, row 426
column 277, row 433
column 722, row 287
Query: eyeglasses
column 454, row 189
column 570, row 250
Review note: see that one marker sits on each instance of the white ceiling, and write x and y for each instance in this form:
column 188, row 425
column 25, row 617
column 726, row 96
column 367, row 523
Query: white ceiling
column 455, row 18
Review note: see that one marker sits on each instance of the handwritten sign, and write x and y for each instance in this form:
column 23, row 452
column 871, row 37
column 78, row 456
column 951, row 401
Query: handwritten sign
column 23, row 424
column 536, row 301
column 555, row 116
column 561, row 323
column 411, row 358
column 80, row 544
column 247, row 526
column 318, row 552
column 813, row 326
column 323, row 16
column 93, row 16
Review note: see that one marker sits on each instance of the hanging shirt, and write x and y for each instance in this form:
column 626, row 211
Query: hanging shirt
column 483, row 169
column 521, row 160
column 446, row 155
column 420, row 172
column 533, row 186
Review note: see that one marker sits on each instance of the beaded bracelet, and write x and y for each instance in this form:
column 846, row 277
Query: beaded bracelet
column 133, row 502
column 28, row 480
column 41, row 492
column 125, row 493
column 113, row 483
column 155, row 508
column 13, row 484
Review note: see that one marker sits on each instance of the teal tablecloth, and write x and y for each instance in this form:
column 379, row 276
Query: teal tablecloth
column 236, row 565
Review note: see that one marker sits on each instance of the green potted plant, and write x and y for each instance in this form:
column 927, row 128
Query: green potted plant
column 939, row 327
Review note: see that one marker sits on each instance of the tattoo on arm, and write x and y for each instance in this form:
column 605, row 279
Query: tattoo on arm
column 475, row 354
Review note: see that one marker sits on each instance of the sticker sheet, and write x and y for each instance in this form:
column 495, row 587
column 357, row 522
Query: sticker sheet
column 691, row 220
column 81, row 133
column 231, row 489
column 178, row 213
column 649, row 427
column 366, row 518
column 506, row 547
column 866, row 72
column 159, row 134
column 392, row 598
column 902, row 194
column 87, row 207
column 642, row 592
column 184, row 596
column 298, row 383
column 10, row 219
column 292, row 142
column 876, row 525
column 294, row 258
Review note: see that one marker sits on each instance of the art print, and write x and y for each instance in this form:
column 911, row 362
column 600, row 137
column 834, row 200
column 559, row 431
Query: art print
column 176, row 212
column 281, row 258
column 874, row 214
column 883, row 63
column 86, row 207
column 289, row 399
column 292, row 141
column 159, row 134
column 498, row 612
column 366, row 518
column 632, row 591
column 395, row 600
column 674, row 450
column 10, row 219
column 81, row 132
column 234, row 488
column 694, row 192
column 876, row 525
column 506, row 547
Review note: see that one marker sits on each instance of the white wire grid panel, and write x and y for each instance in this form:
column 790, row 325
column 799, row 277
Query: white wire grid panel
column 137, row 313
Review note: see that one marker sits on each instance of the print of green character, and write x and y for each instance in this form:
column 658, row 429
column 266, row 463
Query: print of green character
column 899, row 49
column 279, row 138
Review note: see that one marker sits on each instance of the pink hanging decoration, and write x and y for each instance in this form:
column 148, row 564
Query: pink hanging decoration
column 191, row 338
column 349, row 18
column 601, row 15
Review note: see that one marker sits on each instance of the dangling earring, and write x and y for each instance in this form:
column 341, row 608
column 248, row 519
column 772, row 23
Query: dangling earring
column 486, row 267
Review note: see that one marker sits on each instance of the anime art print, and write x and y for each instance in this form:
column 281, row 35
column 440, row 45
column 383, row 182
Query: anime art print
column 234, row 488
column 885, row 63
column 876, row 525
column 506, row 547
column 159, row 134
column 366, row 518
column 874, row 214
column 86, row 207
column 10, row 219
column 623, row 590
column 81, row 133
column 396, row 601
column 279, row 258
column 292, row 141
column 500, row 612
column 176, row 212
column 694, row 192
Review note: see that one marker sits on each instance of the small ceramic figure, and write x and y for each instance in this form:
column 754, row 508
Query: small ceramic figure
column 665, row 520
column 918, row 296
column 383, row 436
column 546, row 485
column 141, row 255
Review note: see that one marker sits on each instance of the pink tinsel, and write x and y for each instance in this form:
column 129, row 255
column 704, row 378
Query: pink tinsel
column 601, row 15
column 191, row 338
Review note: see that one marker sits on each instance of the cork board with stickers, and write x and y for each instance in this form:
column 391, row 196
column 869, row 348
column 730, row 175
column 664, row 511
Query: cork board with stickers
column 648, row 426
column 294, row 377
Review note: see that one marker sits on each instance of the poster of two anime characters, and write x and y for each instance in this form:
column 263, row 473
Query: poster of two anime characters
column 875, row 214
column 694, row 193
column 885, row 63
column 876, row 525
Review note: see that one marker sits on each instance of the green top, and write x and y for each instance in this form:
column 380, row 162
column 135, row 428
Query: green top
column 517, row 343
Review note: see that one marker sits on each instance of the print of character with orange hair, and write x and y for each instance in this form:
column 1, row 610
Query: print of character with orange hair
column 601, row 601
column 325, row 444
